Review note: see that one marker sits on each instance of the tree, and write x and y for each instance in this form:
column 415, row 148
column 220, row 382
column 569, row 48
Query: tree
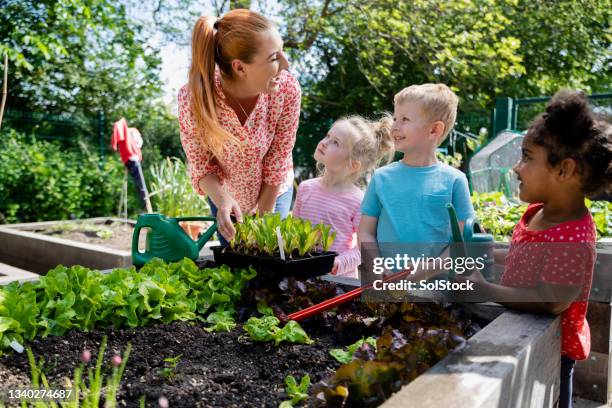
column 81, row 58
column 353, row 56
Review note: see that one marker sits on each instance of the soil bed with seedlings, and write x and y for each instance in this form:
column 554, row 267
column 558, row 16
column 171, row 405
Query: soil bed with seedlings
column 199, row 343
column 214, row 369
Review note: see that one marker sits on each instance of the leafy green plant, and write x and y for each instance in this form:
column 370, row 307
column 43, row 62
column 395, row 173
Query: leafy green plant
column 67, row 227
column 453, row 160
column 221, row 321
column 602, row 216
column 296, row 392
column 168, row 371
column 81, row 298
column 258, row 235
column 82, row 394
column 496, row 214
column 171, row 191
column 267, row 329
column 499, row 216
column 346, row 356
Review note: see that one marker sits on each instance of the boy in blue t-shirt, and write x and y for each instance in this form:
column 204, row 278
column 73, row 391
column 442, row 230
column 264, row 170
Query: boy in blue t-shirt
column 405, row 202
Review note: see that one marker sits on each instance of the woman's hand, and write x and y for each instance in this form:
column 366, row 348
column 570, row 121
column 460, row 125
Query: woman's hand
column 225, row 210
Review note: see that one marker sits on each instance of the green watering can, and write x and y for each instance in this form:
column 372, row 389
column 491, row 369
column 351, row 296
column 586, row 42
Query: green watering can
column 167, row 239
column 473, row 234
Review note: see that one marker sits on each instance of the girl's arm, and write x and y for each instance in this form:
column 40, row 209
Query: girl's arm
column 349, row 260
column 545, row 298
column 499, row 255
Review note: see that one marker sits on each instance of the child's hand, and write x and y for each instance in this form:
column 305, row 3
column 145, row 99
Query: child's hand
column 334, row 270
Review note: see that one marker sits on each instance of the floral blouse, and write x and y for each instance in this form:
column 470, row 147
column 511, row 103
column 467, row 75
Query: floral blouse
column 267, row 136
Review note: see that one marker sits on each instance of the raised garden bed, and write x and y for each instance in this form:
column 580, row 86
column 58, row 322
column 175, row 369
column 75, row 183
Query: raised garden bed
column 230, row 370
column 100, row 243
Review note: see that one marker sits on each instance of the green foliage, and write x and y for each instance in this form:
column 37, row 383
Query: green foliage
column 266, row 329
column 453, row 160
column 171, row 191
column 80, row 58
column 41, row 181
column 602, row 216
column 346, row 356
column 81, row 298
column 82, row 395
column 296, row 392
column 258, row 234
column 353, row 56
column 496, row 214
column 168, row 371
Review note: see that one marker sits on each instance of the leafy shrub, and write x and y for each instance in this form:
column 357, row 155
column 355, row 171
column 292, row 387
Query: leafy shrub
column 41, row 181
column 496, row 214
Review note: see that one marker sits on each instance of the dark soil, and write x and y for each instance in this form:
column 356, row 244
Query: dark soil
column 215, row 370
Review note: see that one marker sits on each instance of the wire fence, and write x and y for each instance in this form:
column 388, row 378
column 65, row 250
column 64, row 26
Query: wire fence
column 68, row 130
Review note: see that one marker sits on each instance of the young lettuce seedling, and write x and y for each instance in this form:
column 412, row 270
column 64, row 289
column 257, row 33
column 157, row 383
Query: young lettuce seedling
column 297, row 393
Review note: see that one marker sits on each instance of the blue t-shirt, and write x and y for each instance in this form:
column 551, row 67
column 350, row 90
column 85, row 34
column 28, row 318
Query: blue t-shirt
column 410, row 202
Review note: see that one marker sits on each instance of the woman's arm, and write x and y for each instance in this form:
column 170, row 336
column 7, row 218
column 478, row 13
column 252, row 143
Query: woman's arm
column 267, row 198
column 225, row 203
column 278, row 161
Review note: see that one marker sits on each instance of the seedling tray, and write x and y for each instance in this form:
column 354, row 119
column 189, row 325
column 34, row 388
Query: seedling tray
column 273, row 266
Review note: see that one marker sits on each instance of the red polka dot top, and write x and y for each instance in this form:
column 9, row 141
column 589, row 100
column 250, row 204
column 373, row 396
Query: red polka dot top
column 561, row 255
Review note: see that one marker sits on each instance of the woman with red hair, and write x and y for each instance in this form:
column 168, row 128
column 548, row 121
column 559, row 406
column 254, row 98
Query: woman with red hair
column 238, row 117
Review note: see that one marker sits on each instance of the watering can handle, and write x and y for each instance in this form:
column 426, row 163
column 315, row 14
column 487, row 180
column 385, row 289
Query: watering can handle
column 138, row 258
column 209, row 232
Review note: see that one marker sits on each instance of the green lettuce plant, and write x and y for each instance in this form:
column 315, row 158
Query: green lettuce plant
column 267, row 329
column 296, row 392
column 346, row 356
column 81, row 298
column 258, row 235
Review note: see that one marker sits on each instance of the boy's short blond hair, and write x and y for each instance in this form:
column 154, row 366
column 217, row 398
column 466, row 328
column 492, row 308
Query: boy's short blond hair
column 437, row 101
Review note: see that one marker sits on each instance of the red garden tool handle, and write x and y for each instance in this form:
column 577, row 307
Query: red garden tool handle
column 338, row 300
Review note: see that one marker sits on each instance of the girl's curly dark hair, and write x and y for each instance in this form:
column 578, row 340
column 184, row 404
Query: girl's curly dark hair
column 569, row 129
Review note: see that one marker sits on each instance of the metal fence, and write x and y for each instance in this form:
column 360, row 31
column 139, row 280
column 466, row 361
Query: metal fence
column 65, row 129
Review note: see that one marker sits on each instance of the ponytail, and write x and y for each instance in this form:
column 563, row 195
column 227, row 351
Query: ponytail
column 216, row 42
column 386, row 147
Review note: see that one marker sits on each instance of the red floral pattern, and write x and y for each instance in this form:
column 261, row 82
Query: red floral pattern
column 568, row 261
column 268, row 137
